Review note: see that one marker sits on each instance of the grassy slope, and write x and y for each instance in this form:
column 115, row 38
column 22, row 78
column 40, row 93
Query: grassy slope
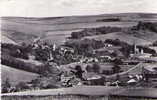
column 124, row 37
column 16, row 75
column 5, row 39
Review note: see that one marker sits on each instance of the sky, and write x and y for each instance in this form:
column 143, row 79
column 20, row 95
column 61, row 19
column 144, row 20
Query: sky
column 53, row 8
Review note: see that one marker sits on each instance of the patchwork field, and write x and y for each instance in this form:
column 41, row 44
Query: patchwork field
column 53, row 30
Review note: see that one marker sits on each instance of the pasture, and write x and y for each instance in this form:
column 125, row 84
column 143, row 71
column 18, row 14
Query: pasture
column 16, row 75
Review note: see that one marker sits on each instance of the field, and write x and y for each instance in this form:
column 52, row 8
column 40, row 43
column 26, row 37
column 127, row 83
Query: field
column 81, row 90
column 15, row 75
column 69, row 97
column 53, row 33
column 83, row 93
column 128, row 38
column 54, row 30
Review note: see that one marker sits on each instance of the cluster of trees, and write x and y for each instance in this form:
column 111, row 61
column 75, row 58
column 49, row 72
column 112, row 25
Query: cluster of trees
column 38, row 83
column 93, row 68
column 146, row 25
column 126, row 48
column 16, row 50
column 41, row 54
column 116, row 42
column 85, row 46
column 16, row 63
column 94, row 31
column 109, row 20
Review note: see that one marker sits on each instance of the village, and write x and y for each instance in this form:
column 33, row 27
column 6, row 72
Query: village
column 109, row 65
column 106, row 66
column 108, row 61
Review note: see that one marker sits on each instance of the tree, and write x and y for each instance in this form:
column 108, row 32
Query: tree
column 96, row 67
column 116, row 69
column 78, row 72
column 89, row 68
column 117, row 61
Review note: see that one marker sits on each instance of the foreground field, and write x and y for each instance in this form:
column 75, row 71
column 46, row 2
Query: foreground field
column 81, row 90
column 69, row 97
column 85, row 93
column 74, row 93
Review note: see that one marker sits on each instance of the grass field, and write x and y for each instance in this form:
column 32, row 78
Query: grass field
column 130, row 39
column 15, row 75
column 83, row 93
column 5, row 39
column 52, row 29
column 67, row 97
column 81, row 90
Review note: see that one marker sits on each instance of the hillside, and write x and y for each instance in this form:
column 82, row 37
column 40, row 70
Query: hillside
column 16, row 75
column 25, row 29
column 5, row 39
column 130, row 39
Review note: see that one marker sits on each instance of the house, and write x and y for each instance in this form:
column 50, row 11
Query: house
column 64, row 49
column 107, row 45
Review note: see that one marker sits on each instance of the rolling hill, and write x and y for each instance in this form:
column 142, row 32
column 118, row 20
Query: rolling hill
column 25, row 29
column 128, row 38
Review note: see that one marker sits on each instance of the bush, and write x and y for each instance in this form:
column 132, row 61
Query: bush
column 96, row 67
column 89, row 68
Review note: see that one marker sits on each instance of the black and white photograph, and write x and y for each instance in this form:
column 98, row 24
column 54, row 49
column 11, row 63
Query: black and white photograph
column 78, row 49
